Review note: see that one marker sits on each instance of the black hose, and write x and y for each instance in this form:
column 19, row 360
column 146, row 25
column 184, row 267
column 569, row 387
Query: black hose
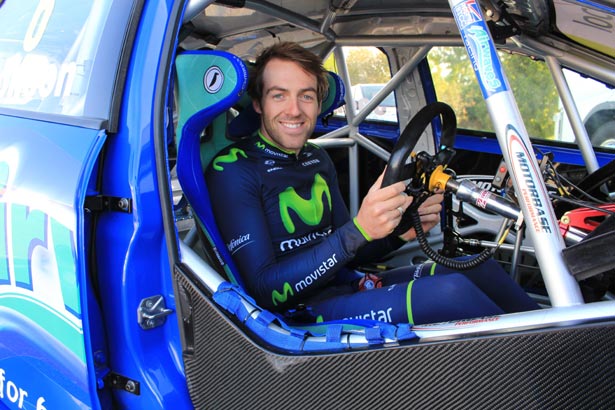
column 443, row 260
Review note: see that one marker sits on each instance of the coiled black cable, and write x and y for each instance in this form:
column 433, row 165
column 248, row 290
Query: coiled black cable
column 443, row 260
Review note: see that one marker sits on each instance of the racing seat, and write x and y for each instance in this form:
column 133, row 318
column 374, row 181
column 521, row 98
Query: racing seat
column 208, row 84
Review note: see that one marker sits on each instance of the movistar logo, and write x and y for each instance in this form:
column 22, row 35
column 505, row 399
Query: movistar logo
column 310, row 211
column 294, row 243
column 228, row 158
column 260, row 145
column 282, row 297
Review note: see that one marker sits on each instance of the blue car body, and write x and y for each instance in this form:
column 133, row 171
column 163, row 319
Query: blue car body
column 53, row 350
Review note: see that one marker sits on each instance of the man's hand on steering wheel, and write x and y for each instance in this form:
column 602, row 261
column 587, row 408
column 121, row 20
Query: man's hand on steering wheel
column 382, row 208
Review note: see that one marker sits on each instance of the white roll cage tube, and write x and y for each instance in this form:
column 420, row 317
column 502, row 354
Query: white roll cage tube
column 541, row 222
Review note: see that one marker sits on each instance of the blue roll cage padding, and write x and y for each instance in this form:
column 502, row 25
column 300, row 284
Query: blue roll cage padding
column 208, row 84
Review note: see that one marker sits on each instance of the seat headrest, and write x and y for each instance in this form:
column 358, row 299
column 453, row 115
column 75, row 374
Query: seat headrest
column 209, row 83
column 248, row 120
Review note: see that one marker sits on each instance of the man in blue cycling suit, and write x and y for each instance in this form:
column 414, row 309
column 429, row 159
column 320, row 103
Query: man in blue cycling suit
column 280, row 211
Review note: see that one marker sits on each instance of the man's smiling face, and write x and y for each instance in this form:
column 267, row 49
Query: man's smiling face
column 289, row 106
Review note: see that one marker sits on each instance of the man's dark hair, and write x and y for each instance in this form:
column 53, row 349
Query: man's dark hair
column 288, row 51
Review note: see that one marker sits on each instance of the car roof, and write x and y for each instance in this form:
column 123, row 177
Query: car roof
column 318, row 22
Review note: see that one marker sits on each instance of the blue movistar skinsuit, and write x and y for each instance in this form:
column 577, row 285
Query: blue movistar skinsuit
column 289, row 232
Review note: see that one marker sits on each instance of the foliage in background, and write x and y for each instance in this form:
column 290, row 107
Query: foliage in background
column 530, row 81
column 365, row 65
column 455, row 84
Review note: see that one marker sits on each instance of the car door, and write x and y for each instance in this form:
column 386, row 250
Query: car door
column 44, row 352
column 58, row 65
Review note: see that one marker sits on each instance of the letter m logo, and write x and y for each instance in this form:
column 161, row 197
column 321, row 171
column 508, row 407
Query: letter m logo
column 278, row 297
column 310, row 211
column 229, row 158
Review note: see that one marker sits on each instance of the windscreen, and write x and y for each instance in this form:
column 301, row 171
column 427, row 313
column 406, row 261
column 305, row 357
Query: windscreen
column 53, row 52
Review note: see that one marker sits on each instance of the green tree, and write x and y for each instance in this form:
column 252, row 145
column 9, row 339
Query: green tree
column 365, row 65
column 456, row 85
column 535, row 93
column 530, row 80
